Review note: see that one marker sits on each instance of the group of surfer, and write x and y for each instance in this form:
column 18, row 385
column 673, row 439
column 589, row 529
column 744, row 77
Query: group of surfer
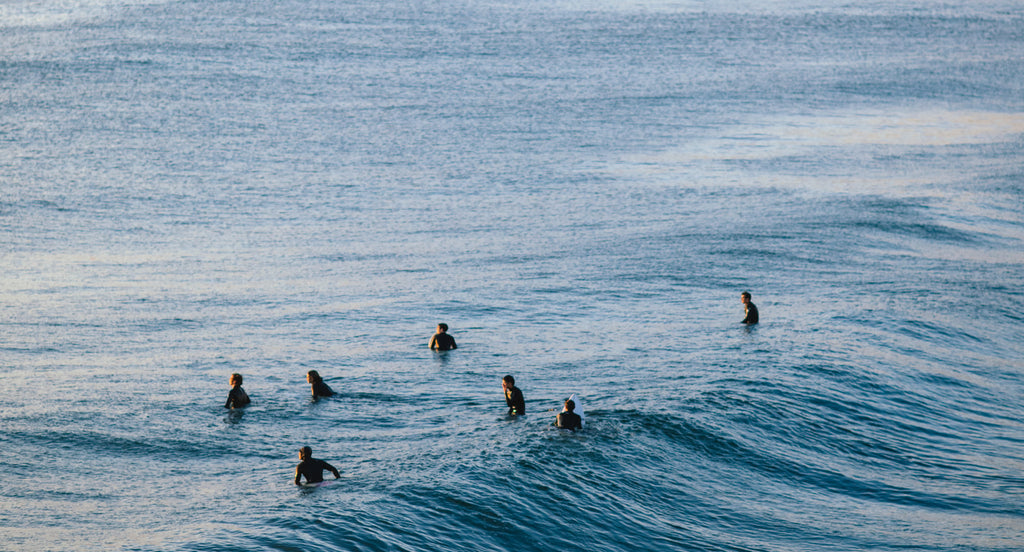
column 312, row 469
column 238, row 398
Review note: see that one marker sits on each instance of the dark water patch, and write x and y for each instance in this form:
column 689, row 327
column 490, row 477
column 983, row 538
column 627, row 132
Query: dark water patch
column 169, row 324
column 114, row 446
column 35, row 351
column 775, row 253
column 927, row 231
column 48, row 205
column 902, row 217
column 64, row 495
column 312, row 536
column 931, row 331
column 792, row 464
column 381, row 398
column 838, row 419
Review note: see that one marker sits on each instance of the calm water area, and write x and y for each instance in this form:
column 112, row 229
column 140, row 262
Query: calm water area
column 581, row 190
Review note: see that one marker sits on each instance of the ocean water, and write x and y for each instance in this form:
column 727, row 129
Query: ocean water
column 581, row 190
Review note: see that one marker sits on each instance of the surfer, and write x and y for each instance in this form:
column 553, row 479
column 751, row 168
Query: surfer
column 513, row 396
column 749, row 309
column 320, row 389
column 441, row 341
column 569, row 419
column 237, row 397
column 311, row 468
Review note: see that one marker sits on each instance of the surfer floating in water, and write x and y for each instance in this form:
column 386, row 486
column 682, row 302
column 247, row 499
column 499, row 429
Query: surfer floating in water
column 311, row 468
column 320, row 389
column 569, row 419
column 749, row 308
column 513, row 397
column 441, row 341
column 237, row 397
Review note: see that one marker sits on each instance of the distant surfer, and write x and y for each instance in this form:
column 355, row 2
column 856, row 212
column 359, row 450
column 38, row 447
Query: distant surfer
column 569, row 419
column 320, row 389
column 311, row 468
column 237, row 398
column 513, row 397
column 749, row 308
column 441, row 341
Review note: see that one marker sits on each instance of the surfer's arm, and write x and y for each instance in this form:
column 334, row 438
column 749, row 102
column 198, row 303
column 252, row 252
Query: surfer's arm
column 298, row 477
column 333, row 470
column 433, row 342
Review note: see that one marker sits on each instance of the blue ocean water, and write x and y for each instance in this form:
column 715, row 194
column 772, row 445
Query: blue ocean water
column 581, row 190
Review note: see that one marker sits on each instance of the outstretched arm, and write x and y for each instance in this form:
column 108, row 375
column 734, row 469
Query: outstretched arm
column 333, row 470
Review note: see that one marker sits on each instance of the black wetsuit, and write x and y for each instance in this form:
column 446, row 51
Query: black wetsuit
column 569, row 420
column 751, row 314
column 515, row 401
column 237, row 398
column 313, row 470
column 321, row 389
column 443, row 342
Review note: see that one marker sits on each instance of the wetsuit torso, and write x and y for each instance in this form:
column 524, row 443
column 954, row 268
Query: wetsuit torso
column 321, row 389
column 313, row 470
column 516, row 402
column 751, row 314
column 237, row 398
column 443, row 342
column 569, row 420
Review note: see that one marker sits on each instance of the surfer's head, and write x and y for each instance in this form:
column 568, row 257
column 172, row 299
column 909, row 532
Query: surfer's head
column 745, row 297
column 507, row 381
column 570, row 405
column 313, row 376
column 236, row 380
column 442, row 327
column 305, row 453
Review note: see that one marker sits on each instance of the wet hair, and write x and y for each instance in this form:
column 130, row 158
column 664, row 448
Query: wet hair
column 509, row 379
column 236, row 377
column 315, row 375
column 443, row 326
column 745, row 294
column 306, row 451
column 570, row 405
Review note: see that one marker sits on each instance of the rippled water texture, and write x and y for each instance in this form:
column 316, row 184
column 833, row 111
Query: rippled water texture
column 581, row 190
